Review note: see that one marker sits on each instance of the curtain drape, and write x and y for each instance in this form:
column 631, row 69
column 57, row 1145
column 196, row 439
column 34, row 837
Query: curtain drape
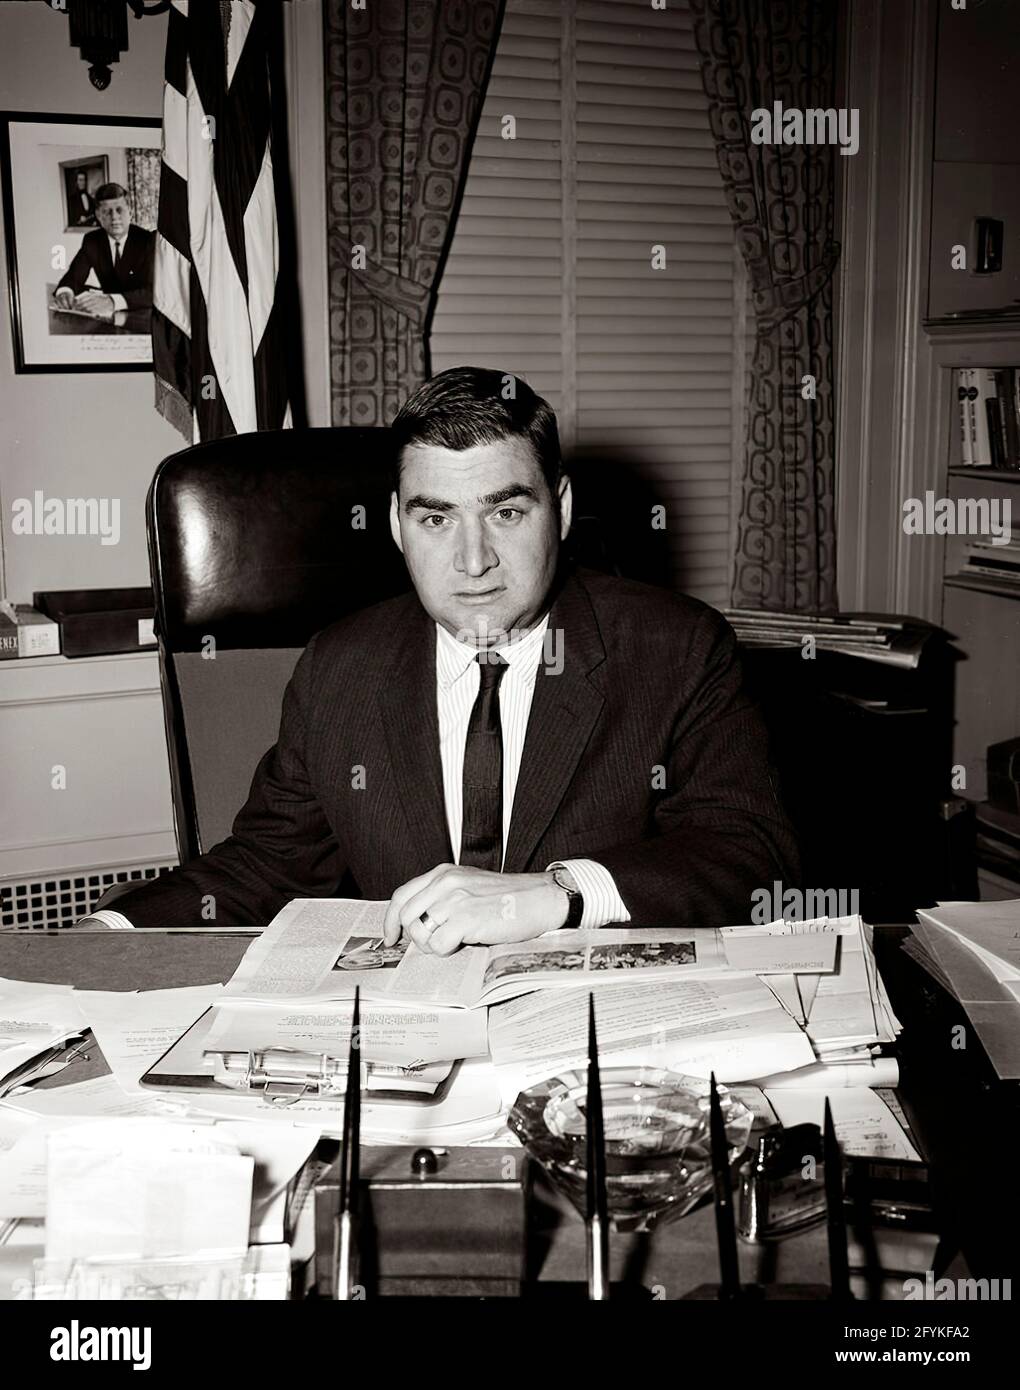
column 404, row 87
column 755, row 53
column 143, row 168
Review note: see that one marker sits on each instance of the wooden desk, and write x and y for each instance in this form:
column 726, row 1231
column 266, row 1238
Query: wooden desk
column 948, row 1110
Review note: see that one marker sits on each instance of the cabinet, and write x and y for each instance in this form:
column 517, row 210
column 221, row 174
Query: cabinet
column 86, row 783
column 976, row 168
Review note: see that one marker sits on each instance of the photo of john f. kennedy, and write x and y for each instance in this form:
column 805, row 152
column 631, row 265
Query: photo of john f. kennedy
column 118, row 255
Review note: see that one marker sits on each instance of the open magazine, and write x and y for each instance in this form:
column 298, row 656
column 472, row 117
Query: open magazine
column 322, row 948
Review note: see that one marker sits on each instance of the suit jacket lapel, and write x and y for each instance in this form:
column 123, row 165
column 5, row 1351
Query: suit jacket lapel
column 563, row 713
column 411, row 724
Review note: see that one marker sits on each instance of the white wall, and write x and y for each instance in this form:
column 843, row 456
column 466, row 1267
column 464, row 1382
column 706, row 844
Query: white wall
column 97, row 434
column 92, row 434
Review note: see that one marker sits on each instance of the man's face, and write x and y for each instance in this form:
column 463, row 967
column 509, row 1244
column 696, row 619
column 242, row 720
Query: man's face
column 80, row 181
column 113, row 216
column 480, row 532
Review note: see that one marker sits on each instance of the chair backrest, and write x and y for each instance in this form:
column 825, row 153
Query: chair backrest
column 255, row 542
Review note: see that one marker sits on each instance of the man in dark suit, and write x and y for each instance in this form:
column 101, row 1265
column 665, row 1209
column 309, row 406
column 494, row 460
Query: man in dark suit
column 120, row 254
column 513, row 747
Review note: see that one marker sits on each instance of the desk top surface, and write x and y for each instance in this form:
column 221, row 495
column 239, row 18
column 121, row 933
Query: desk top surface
column 678, row 1256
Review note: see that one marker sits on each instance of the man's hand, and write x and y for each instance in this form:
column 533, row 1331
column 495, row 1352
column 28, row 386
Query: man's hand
column 64, row 296
column 96, row 303
column 474, row 907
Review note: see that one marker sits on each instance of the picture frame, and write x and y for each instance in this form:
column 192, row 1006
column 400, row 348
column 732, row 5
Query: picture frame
column 81, row 178
column 79, row 268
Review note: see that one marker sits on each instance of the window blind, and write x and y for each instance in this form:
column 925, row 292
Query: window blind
column 499, row 302
column 552, row 275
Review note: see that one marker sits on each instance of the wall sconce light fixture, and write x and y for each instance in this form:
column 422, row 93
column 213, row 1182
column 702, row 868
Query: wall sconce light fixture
column 100, row 33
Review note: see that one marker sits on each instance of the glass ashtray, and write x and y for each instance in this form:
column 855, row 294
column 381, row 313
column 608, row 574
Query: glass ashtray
column 658, row 1150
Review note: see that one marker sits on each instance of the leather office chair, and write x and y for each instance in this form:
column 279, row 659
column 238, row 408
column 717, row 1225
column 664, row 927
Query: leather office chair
column 255, row 542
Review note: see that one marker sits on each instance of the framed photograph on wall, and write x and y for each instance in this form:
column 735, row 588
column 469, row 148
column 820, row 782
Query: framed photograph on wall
column 80, row 198
column 81, row 178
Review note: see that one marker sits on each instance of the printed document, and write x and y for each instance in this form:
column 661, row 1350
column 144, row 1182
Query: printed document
column 321, row 948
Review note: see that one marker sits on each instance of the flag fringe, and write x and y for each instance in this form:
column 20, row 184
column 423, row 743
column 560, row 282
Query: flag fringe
column 174, row 408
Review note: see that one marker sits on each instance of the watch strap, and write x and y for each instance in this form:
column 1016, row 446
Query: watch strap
column 575, row 901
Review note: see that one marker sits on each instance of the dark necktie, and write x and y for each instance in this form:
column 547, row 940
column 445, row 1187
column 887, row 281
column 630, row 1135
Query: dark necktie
column 116, row 254
column 481, row 840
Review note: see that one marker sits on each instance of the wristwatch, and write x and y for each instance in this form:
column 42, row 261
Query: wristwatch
column 575, row 902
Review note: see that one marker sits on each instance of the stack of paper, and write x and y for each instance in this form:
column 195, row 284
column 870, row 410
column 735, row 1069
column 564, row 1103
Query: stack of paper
column 843, row 1008
column 136, row 1030
column 850, row 1014
column 734, row 1027
column 974, row 950
column 894, row 641
column 847, row 1015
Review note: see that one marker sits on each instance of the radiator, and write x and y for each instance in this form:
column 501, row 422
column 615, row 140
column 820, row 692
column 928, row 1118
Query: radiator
column 58, row 901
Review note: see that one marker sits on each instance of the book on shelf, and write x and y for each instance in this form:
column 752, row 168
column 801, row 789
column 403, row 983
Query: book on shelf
column 983, row 557
column 988, row 408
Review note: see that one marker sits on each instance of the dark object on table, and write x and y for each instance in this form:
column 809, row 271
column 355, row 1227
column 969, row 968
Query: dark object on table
column 457, row 1231
column 776, row 1198
column 100, row 622
column 895, row 1192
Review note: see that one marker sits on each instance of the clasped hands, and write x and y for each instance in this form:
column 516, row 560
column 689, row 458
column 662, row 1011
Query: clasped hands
column 473, row 907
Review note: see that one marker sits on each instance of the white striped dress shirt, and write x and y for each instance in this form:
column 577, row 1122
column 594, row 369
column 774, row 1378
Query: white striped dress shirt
column 457, row 681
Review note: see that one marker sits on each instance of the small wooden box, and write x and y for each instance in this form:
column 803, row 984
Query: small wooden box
column 460, row 1230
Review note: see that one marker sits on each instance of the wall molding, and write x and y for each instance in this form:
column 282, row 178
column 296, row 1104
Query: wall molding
column 888, row 427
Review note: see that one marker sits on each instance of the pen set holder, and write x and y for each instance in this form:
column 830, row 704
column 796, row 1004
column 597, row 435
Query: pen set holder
column 393, row 1221
column 456, row 1223
column 759, row 1219
column 431, row 1222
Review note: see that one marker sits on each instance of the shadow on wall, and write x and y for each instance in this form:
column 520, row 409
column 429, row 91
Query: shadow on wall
column 612, row 522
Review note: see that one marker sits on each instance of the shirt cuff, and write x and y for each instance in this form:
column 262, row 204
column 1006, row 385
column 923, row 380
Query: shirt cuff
column 602, row 901
column 119, row 306
column 116, row 921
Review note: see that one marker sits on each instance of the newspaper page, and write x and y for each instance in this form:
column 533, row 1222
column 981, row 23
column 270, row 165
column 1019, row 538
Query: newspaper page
column 593, row 959
column 734, row 1027
column 321, row 948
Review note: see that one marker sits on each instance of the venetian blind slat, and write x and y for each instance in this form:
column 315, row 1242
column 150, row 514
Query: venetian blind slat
column 653, row 349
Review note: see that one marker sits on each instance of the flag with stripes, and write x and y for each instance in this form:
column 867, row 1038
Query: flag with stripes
column 217, row 329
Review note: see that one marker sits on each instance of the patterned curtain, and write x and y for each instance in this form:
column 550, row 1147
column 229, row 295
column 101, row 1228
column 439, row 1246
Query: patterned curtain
column 782, row 201
column 404, row 87
column 143, row 167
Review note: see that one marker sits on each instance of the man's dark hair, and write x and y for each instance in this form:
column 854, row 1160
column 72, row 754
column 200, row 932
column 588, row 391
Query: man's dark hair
column 467, row 406
column 109, row 192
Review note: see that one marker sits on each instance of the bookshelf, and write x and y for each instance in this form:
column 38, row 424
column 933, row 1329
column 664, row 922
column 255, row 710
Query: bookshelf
column 980, row 613
column 996, row 475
